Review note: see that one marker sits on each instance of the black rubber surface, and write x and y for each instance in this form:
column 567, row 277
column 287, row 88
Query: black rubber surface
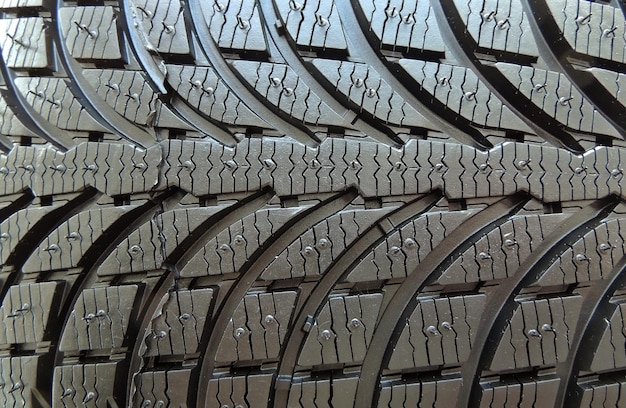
column 312, row 203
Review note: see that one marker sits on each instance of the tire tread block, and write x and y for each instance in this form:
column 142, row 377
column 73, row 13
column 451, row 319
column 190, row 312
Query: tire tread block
column 524, row 393
column 341, row 331
column 233, row 247
column 280, row 86
column 10, row 123
column 13, row 4
column 126, row 91
column 315, row 25
column 607, row 393
column 236, row 26
column 461, row 91
column 65, row 247
column 114, row 169
column 610, row 355
column 232, row 391
column 26, row 312
column 614, row 82
column 54, row 101
column 257, row 328
column 25, row 43
column 538, row 334
column 141, row 251
column 15, row 228
column 588, row 37
column 162, row 25
column 182, row 320
column 90, row 33
column 439, row 332
column 167, row 387
column 439, row 393
column 203, row 89
column 555, row 94
column 19, row 376
column 403, row 26
column 334, row 392
column 89, row 385
column 315, row 251
column 367, row 90
column 100, row 319
column 402, row 251
column 506, row 28
column 501, row 251
column 590, row 258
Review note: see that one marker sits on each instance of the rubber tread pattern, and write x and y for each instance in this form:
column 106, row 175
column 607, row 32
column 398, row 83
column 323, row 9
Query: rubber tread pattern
column 312, row 203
